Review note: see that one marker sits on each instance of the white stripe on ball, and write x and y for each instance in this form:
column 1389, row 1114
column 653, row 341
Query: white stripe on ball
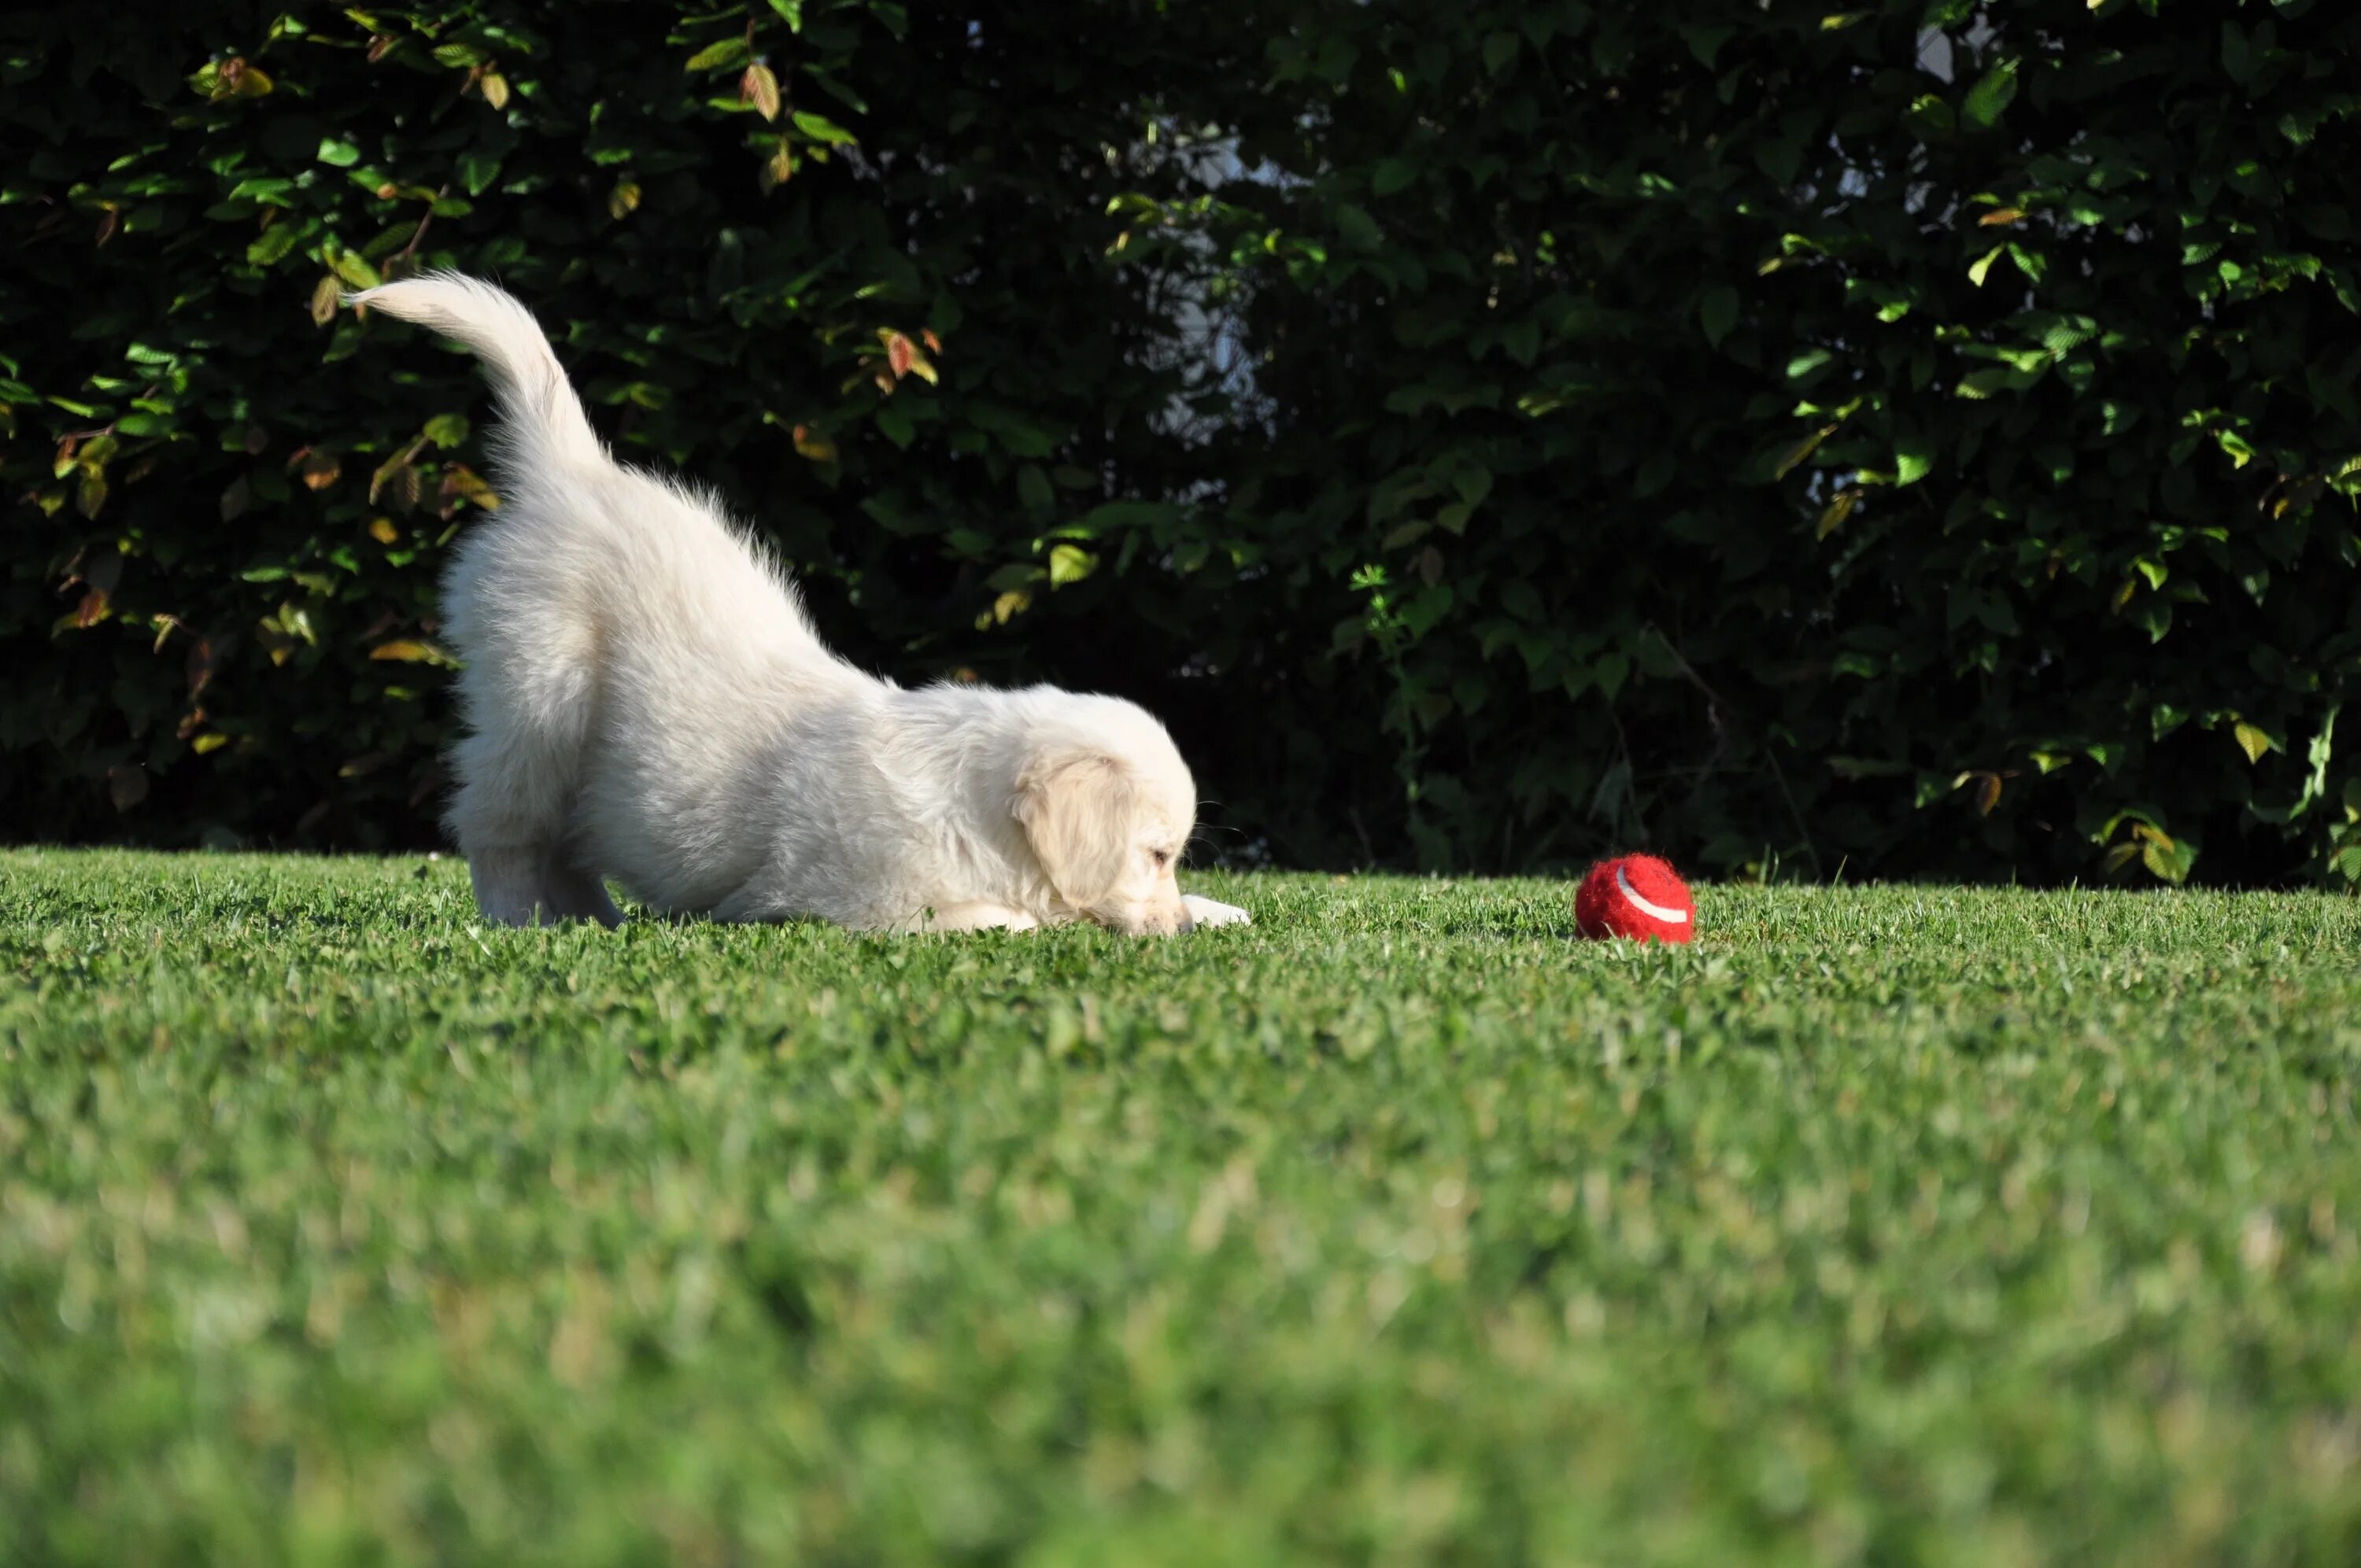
column 1654, row 911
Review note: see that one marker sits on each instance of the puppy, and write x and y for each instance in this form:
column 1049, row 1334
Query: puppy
column 646, row 701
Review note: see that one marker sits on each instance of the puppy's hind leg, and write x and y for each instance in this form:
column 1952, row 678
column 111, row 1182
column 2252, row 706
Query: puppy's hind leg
column 519, row 774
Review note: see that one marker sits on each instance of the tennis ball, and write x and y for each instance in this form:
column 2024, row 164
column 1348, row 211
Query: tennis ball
column 1637, row 896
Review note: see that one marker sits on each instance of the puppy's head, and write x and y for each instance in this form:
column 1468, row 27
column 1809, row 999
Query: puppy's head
column 1107, row 807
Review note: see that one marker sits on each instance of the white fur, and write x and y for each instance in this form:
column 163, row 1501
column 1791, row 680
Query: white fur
column 646, row 701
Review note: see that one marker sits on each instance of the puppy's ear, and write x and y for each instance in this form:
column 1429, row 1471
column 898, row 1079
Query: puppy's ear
column 1077, row 806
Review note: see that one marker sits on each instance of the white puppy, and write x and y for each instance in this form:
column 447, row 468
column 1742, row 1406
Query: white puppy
column 647, row 702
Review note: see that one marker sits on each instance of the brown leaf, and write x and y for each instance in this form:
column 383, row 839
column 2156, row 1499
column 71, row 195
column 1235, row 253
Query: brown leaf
column 932, row 340
column 127, row 784
column 92, row 610
column 396, row 475
column 1987, row 795
column 897, row 354
column 1430, row 565
column 459, row 481
column 1803, row 449
column 379, row 43
column 235, row 500
column 624, row 199
column 2001, row 218
column 254, row 440
column 818, row 448
column 321, row 470
column 760, row 88
column 91, row 494
column 382, row 530
column 495, row 89
column 233, row 78
column 108, row 223
column 778, row 168
column 409, row 651
column 200, row 666
column 326, row 295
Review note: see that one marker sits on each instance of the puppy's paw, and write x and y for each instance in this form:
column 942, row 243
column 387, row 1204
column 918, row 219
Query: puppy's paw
column 1205, row 912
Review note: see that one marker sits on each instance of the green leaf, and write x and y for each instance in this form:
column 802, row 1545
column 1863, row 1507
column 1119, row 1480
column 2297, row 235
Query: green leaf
column 477, row 170
column 820, row 129
column 354, row 269
column 1114, row 516
column 275, row 243
column 2254, row 741
column 1358, row 229
column 1717, row 312
column 1034, row 490
column 793, row 10
column 1989, row 99
column 1806, row 367
column 1069, row 564
column 447, row 430
column 2170, row 859
column 1914, row 459
column 1982, row 265
column 728, row 54
column 2238, row 55
column 1704, row 41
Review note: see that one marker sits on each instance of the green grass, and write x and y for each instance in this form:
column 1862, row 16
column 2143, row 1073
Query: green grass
column 1883, row 1225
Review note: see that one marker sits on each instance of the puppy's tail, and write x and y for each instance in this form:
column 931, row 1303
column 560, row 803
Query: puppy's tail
column 543, row 417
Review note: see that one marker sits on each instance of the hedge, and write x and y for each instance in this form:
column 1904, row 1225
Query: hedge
column 1911, row 440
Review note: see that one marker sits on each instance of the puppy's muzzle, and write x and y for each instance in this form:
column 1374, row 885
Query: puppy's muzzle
column 1152, row 923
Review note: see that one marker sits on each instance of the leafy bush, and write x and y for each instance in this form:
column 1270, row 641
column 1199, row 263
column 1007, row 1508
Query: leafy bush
column 1915, row 439
column 1913, row 434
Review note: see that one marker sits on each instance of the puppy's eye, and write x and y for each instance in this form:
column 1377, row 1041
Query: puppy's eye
column 1162, row 857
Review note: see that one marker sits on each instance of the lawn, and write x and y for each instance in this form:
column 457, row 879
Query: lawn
column 1885, row 1225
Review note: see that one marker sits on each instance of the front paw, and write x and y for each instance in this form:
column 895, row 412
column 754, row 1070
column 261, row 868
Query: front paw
column 1205, row 912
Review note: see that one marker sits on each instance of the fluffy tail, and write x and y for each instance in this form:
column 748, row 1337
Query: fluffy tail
column 543, row 417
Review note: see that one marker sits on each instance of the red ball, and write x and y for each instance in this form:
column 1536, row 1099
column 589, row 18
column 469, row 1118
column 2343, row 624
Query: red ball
column 1637, row 896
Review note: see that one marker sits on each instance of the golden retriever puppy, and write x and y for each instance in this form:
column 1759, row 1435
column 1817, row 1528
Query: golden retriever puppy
column 645, row 700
